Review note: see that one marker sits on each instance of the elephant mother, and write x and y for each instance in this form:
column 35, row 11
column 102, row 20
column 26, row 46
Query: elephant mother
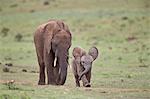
column 52, row 42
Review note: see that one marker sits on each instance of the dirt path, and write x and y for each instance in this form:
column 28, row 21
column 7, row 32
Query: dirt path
column 101, row 90
column 116, row 90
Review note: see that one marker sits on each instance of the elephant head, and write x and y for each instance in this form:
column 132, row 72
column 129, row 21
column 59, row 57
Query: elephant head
column 85, row 59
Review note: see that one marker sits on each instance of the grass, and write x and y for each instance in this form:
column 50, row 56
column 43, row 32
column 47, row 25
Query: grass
column 118, row 28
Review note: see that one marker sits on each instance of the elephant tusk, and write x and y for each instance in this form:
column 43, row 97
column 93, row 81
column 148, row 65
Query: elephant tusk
column 55, row 60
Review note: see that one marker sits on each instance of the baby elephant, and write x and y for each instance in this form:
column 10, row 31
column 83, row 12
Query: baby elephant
column 82, row 65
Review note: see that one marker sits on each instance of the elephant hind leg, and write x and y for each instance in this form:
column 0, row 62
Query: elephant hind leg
column 41, row 70
column 41, row 67
column 42, row 74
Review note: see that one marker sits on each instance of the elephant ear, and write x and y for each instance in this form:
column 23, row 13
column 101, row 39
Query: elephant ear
column 62, row 25
column 49, row 30
column 93, row 52
column 78, row 52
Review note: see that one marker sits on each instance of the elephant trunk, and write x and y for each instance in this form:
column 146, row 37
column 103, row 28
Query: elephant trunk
column 87, row 68
column 63, row 72
column 63, row 65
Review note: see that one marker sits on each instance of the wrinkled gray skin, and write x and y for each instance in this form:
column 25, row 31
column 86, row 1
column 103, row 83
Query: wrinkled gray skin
column 82, row 65
column 52, row 42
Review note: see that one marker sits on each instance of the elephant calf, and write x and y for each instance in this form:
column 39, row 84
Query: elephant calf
column 82, row 65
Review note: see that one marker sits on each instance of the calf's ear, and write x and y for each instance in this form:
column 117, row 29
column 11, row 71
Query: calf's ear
column 93, row 51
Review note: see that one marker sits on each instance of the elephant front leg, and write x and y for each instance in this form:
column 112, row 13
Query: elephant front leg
column 80, row 69
column 48, row 60
column 74, row 69
column 88, row 76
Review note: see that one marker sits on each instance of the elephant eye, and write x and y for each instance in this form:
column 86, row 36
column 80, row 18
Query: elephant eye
column 59, row 30
column 82, row 62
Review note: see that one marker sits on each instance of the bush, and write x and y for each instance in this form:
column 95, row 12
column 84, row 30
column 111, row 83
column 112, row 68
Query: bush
column 46, row 3
column 13, row 5
column 18, row 37
column 24, row 70
column 5, row 96
column 125, row 18
column 4, row 31
column 6, row 69
column 11, row 85
column 9, row 64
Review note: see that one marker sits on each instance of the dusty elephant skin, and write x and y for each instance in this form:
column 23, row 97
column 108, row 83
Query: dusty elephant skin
column 82, row 65
column 52, row 42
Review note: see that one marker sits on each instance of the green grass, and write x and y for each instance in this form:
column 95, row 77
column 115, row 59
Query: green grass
column 119, row 28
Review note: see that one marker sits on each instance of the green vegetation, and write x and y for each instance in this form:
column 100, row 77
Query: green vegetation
column 119, row 28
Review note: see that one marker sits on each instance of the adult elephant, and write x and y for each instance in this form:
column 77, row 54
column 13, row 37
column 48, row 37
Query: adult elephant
column 52, row 42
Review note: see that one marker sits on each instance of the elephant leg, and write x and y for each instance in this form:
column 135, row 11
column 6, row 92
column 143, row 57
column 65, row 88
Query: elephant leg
column 42, row 74
column 48, row 60
column 88, row 76
column 80, row 69
column 41, row 66
column 77, row 80
column 74, row 69
column 85, row 82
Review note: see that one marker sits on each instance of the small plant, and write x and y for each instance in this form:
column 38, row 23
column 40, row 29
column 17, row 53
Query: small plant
column 6, row 69
column 46, row 3
column 13, row 5
column 8, row 58
column 9, row 64
column 141, row 58
column 4, row 31
column 33, row 71
column 11, row 85
column 18, row 37
column 24, row 96
column 31, row 11
column 24, row 70
column 5, row 96
column 125, row 18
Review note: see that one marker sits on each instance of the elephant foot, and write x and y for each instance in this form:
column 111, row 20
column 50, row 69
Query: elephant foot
column 77, row 85
column 87, row 85
column 51, row 83
column 41, row 83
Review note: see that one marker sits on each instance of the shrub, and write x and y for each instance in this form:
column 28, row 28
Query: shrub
column 24, row 70
column 11, row 85
column 5, row 96
column 46, row 3
column 6, row 69
column 124, row 18
column 9, row 64
column 13, row 5
column 18, row 37
column 5, row 31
